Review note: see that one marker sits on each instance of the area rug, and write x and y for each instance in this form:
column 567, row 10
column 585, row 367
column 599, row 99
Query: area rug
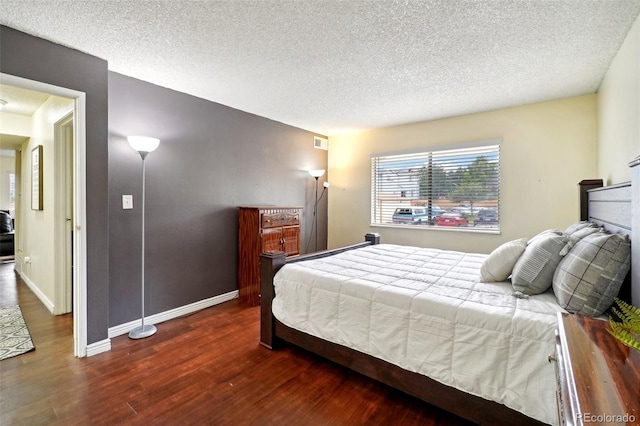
column 14, row 334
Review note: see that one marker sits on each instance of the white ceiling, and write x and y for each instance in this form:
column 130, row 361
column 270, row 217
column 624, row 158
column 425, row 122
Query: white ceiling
column 338, row 66
column 21, row 101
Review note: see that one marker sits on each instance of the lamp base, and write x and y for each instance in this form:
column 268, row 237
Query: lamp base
column 142, row 332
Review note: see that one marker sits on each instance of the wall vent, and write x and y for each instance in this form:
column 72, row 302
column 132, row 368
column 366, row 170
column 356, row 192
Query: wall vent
column 320, row 143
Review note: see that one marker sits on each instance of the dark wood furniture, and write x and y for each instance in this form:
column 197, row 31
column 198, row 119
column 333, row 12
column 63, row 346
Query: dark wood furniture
column 263, row 229
column 470, row 407
column 598, row 376
column 586, row 185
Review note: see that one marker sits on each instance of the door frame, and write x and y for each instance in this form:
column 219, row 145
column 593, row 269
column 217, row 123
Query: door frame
column 79, row 202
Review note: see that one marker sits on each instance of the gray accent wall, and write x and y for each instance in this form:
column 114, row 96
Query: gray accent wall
column 36, row 59
column 211, row 159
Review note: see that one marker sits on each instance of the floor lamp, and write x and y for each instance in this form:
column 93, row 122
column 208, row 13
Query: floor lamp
column 316, row 174
column 144, row 145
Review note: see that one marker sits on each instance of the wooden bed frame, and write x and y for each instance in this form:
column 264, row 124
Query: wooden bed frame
column 470, row 407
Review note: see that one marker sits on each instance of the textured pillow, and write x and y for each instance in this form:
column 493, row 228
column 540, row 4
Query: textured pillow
column 498, row 266
column 543, row 233
column 533, row 272
column 591, row 275
column 581, row 229
column 580, row 225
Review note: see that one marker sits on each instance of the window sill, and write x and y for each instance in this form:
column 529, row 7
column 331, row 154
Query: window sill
column 470, row 229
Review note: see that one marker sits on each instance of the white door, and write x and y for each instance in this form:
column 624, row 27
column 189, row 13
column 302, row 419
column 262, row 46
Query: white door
column 63, row 238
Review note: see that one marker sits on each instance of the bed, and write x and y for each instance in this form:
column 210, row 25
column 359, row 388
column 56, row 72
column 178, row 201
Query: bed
column 473, row 348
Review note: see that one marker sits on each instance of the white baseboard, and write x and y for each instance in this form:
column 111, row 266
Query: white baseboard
column 39, row 294
column 105, row 345
column 99, row 347
column 121, row 329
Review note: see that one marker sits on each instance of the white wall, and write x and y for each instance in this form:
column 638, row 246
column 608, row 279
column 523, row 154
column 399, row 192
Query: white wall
column 547, row 148
column 619, row 112
column 35, row 227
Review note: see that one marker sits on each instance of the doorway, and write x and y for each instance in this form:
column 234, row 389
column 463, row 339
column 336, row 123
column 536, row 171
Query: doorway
column 70, row 188
column 63, row 232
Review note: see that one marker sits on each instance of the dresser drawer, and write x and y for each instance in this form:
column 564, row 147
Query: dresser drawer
column 274, row 220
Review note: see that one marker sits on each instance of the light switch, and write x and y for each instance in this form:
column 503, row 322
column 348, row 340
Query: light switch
column 127, row 202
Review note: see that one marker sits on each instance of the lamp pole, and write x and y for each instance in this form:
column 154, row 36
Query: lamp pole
column 316, row 175
column 315, row 212
column 144, row 146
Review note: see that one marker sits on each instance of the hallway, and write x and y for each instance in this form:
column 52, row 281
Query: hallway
column 46, row 329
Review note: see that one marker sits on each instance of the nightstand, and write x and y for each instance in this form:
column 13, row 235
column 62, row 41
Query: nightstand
column 598, row 376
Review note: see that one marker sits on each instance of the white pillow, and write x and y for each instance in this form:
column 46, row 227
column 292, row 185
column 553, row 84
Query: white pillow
column 498, row 266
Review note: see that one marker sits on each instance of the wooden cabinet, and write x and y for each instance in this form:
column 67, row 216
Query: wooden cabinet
column 263, row 229
column 598, row 376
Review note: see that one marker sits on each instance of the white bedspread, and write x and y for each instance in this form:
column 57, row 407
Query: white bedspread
column 425, row 311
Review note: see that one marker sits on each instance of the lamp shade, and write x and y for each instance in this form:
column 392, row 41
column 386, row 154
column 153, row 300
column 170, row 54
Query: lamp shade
column 143, row 143
column 316, row 173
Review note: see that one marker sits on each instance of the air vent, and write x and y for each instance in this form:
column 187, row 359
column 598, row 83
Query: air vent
column 320, row 143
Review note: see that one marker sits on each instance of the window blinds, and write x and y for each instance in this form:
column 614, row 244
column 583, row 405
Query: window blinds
column 462, row 180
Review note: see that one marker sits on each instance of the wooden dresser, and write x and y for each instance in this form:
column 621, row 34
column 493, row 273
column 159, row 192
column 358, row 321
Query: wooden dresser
column 598, row 376
column 263, row 229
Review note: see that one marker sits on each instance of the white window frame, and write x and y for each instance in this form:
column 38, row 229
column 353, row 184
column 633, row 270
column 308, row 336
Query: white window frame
column 396, row 183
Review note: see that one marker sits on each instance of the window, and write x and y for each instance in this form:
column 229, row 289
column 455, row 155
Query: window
column 441, row 188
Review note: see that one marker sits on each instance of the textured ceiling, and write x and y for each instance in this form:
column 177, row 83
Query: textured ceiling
column 338, row 66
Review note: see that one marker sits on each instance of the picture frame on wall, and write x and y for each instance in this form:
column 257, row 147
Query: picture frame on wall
column 36, row 178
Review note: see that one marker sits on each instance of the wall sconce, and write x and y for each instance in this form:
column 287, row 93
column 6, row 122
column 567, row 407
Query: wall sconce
column 144, row 145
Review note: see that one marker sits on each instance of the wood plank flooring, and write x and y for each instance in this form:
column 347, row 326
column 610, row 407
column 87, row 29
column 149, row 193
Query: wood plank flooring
column 202, row 369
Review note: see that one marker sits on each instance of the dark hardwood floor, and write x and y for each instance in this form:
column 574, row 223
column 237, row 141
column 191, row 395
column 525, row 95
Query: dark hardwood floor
column 203, row 369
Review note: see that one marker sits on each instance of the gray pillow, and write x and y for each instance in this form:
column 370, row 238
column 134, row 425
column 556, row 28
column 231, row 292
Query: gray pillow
column 579, row 226
column 533, row 272
column 581, row 229
column 590, row 276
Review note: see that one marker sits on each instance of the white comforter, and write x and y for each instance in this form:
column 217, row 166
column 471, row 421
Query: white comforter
column 426, row 311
